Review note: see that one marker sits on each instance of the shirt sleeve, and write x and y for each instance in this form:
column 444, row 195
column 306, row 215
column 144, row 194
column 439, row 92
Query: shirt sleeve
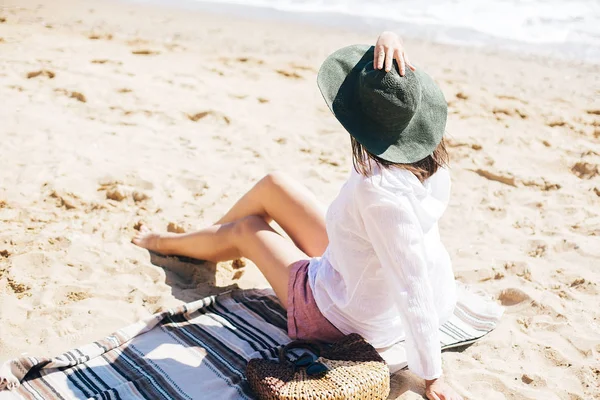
column 397, row 238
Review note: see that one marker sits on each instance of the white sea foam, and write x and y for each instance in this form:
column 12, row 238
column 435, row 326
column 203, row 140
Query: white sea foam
column 572, row 25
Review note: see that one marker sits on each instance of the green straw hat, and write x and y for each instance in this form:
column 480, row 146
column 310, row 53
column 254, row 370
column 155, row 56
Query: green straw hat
column 400, row 119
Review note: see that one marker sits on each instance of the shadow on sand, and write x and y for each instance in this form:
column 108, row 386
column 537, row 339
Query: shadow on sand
column 190, row 279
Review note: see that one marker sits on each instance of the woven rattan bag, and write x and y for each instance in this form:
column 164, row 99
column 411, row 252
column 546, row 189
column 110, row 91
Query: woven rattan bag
column 348, row 369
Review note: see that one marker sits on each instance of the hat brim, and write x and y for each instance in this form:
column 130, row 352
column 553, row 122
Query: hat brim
column 337, row 80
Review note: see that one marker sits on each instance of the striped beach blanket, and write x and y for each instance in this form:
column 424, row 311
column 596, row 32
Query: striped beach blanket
column 196, row 351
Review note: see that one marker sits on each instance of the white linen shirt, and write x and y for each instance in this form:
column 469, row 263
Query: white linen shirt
column 385, row 274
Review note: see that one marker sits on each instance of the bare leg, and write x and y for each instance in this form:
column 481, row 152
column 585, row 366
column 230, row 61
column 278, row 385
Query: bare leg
column 251, row 237
column 272, row 253
column 212, row 244
column 294, row 208
column 245, row 232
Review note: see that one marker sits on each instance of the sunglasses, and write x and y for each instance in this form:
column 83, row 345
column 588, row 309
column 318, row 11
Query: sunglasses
column 309, row 361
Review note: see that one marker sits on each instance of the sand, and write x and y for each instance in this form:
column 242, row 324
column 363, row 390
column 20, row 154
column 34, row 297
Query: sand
column 118, row 114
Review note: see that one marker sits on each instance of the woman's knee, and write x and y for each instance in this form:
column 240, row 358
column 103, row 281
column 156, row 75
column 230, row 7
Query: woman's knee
column 276, row 180
column 249, row 225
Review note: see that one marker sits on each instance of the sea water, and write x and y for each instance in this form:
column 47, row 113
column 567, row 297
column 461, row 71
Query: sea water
column 562, row 28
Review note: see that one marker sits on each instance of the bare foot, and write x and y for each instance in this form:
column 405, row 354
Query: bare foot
column 147, row 239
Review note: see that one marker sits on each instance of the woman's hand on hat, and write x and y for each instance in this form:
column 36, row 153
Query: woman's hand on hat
column 389, row 48
column 437, row 389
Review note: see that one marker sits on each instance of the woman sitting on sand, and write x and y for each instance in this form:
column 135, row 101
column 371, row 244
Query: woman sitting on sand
column 374, row 264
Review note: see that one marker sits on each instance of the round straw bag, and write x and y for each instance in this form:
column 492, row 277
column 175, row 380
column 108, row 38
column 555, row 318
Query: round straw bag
column 348, row 369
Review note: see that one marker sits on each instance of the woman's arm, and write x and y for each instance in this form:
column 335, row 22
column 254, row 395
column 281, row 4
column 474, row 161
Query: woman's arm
column 389, row 48
column 397, row 239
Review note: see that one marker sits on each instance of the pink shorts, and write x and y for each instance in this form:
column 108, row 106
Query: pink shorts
column 305, row 320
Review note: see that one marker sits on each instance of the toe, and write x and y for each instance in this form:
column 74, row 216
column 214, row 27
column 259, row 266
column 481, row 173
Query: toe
column 139, row 238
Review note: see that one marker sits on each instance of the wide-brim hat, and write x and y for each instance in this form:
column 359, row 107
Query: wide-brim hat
column 400, row 119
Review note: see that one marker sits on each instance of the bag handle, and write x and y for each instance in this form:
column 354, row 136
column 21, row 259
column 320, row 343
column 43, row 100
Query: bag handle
column 299, row 344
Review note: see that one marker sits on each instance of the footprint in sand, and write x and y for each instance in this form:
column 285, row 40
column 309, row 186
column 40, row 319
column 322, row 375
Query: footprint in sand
column 506, row 178
column 585, row 286
column 554, row 356
column 251, row 60
column 198, row 187
column 302, row 67
column 78, row 296
column 137, row 42
column 328, row 161
column 243, row 60
column 542, row 184
column 175, row 228
column 175, row 47
column 538, row 249
column 508, row 97
column 139, row 196
column 195, row 117
column 59, row 242
column 98, row 36
column 511, row 112
column 43, row 73
column 520, row 269
column 116, row 194
column 145, row 52
column 577, row 282
column 147, row 113
column 499, row 212
column 73, row 95
column 512, row 296
column 474, row 146
column 533, row 380
column 66, row 200
column 106, row 61
column 584, row 170
column 20, row 289
column 288, row 74
column 590, row 153
column 558, row 123
column 565, row 246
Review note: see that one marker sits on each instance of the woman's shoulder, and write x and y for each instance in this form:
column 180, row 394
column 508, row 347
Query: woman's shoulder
column 398, row 183
column 392, row 179
column 379, row 185
column 374, row 180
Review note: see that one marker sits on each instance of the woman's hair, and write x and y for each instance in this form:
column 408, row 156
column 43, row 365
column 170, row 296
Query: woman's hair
column 422, row 169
